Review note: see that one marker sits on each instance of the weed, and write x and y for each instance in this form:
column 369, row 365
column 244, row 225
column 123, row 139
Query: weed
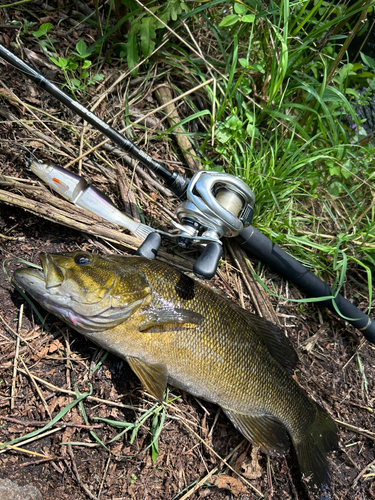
column 75, row 67
column 144, row 28
column 157, row 414
column 133, row 478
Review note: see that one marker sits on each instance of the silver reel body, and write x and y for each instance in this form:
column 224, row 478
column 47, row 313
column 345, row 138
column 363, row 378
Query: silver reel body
column 217, row 205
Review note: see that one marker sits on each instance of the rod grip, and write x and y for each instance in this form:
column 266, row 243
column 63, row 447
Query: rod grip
column 258, row 245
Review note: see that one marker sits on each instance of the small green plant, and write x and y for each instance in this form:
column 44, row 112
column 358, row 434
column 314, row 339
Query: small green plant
column 157, row 412
column 156, row 427
column 241, row 16
column 133, row 478
column 144, row 28
column 73, row 67
column 370, row 63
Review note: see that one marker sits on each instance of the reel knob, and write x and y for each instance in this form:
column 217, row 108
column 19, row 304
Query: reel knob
column 150, row 246
column 206, row 264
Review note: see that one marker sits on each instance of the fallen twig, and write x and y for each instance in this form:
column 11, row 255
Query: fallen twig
column 164, row 96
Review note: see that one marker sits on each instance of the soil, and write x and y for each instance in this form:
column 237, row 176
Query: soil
column 336, row 366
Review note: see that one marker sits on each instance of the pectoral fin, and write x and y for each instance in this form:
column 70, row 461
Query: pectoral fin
column 263, row 431
column 152, row 375
column 160, row 317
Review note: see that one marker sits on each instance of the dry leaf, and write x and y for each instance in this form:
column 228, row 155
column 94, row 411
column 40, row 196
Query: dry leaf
column 250, row 468
column 231, row 483
column 55, row 346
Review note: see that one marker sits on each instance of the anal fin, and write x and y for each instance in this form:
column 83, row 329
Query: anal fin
column 263, row 431
column 152, row 375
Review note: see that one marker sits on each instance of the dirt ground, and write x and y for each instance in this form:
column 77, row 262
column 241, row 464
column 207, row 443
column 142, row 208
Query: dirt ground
column 50, row 365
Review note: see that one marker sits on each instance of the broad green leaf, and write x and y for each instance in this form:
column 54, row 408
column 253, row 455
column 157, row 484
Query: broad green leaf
column 258, row 67
column 246, row 86
column 43, row 30
column 86, row 64
column 223, row 134
column 176, row 7
column 239, row 8
column 98, row 77
column 132, row 55
column 369, row 61
column 249, row 18
column 350, row 91
column 229, row 20
column 76, row 83
column 335, row 170
column 147, row 32
column 71, row 65
column 233, row 122
column 81, row 47
column 335, row 189
column 61, row 62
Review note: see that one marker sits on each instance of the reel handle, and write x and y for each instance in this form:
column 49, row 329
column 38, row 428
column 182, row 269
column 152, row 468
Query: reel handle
column 150, row 246
column 206, row 264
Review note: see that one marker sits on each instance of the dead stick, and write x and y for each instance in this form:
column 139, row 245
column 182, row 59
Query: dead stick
column 75, row 219
column 260, row 302
column 37, row 462
column 357, row 430
column 15, row 365
column 164, row 96
column 37, row 389
column 78, row 477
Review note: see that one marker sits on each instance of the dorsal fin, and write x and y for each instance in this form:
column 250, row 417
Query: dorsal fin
column 277, row 343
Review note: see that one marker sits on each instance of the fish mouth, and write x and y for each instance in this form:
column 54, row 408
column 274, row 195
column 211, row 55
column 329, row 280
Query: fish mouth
column 39, row 282
column 48, row 288
column 35, row 283
column 31, row 280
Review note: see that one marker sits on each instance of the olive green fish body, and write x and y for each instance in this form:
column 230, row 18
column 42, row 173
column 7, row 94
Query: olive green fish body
column 222, row 351
column 172, row 329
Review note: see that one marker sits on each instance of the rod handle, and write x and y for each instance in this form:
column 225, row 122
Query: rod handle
column 258, row 245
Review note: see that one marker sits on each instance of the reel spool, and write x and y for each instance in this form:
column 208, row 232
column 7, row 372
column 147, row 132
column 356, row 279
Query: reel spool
column 217, row 205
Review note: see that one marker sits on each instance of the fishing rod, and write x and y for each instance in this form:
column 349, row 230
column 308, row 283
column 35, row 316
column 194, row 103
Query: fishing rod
column 215, row 205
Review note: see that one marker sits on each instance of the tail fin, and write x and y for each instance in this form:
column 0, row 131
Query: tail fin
column 312, row 452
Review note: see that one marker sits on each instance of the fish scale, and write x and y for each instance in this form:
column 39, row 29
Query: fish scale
column 172, row 329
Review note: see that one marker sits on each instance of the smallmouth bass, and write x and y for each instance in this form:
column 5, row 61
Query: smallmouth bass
column 172, row 329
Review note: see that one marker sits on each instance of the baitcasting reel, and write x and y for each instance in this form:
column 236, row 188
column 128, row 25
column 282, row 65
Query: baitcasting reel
column 217, row 205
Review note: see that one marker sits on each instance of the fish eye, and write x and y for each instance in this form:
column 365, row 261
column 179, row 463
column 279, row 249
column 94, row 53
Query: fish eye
column 81, row 260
